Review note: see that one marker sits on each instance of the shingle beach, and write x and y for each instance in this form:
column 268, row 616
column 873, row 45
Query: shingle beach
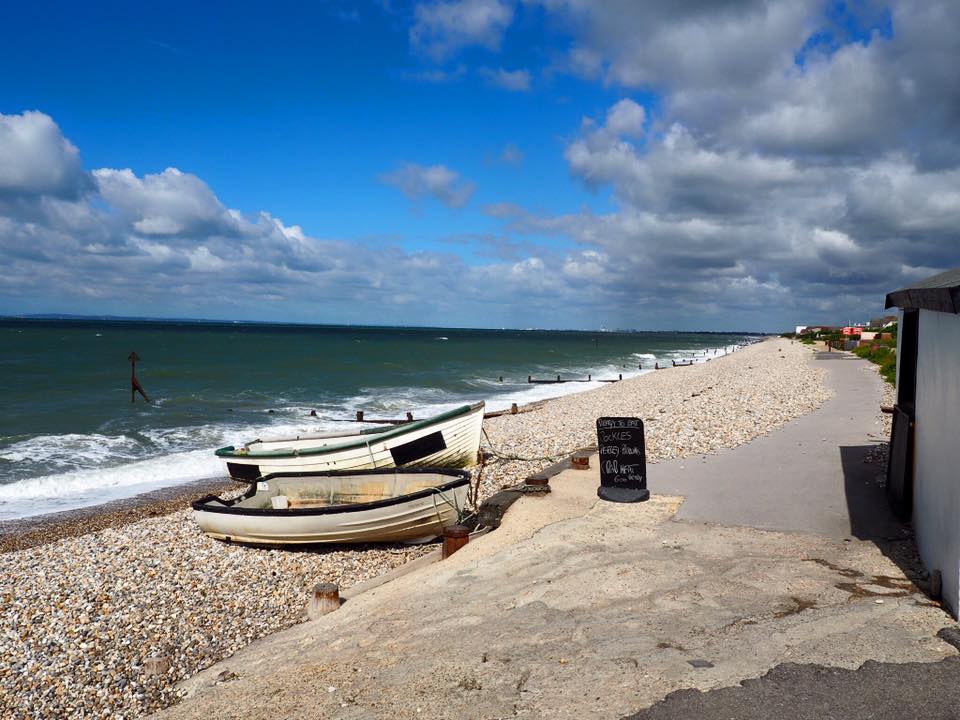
column 80, row 615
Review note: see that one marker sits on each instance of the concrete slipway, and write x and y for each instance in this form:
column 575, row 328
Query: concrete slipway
column 782, row 552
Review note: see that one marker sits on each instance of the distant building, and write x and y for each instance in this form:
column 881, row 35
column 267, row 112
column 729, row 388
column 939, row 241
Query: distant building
column 885, row 321
column 923, row 481
column 800, row 329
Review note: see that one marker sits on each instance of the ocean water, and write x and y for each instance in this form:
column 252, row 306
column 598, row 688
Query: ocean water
column 69, row 435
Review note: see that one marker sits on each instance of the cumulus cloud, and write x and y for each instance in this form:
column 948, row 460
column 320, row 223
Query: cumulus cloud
column 792, row 156
column 437, row 181
column 161, row 244
column 768, row 164
column 172, row 204
column 35, row 159
column 693, row 45
column 513, row 80
column 442, row 28
column 791, row 169
column 164, row 244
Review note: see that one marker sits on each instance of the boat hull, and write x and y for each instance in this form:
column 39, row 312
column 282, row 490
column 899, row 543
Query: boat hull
column 450, row 442
column 416, row 516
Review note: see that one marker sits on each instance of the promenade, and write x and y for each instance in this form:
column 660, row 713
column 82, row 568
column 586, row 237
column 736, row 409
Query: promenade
column 779, row 551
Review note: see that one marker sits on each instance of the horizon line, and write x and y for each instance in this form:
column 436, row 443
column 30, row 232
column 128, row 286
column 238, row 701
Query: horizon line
column 209, row 321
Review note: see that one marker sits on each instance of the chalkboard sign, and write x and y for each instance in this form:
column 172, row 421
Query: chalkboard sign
column 623, row 459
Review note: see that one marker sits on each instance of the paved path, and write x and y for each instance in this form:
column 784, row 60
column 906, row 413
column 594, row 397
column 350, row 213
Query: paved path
column 807, row 476
column 876, row 691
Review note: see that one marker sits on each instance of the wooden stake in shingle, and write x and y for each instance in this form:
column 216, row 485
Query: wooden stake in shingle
column 325, row 599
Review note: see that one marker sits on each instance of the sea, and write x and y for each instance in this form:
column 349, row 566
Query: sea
column 71, row 437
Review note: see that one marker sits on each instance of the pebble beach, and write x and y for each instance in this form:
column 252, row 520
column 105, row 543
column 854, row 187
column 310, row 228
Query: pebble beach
column 103, row 621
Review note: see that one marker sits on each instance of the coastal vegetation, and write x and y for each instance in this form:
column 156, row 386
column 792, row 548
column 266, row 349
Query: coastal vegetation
column 884, row 354
column 880, row 348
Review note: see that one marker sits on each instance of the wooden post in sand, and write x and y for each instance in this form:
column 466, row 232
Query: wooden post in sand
column 135, row 386
column 325, row 599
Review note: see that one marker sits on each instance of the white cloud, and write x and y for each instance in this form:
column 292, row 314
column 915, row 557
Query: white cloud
column 438, row 181
column 442, row 28
column 626, row 118
column 164, row 244
column 513, row 80
column 435, row 76
column 171, row 203
column 703, row 44
column 35, row 159
column 511, row 155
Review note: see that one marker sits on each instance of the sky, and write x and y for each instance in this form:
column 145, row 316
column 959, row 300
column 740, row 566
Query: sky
column 704, row 165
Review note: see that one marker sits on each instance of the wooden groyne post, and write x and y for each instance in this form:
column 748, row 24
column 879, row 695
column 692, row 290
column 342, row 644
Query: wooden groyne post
column 325, row 599
column 135, row 386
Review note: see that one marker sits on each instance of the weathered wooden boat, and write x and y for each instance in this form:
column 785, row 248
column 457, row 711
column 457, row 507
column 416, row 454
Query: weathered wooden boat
column 383, row 505
column 450, row 439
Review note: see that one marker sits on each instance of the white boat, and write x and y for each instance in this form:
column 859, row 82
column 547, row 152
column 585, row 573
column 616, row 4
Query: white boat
column 385, row 505
column 450, row 439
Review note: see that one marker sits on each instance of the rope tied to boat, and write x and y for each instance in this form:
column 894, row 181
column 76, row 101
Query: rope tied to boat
column 461, row 514
column 373, row 460
column 531, row 489
column 500, row 455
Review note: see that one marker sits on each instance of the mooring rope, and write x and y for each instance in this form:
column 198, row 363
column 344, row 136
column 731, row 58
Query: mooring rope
column 500, row 455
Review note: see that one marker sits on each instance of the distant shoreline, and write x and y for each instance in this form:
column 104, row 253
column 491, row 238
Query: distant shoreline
column 50, row 318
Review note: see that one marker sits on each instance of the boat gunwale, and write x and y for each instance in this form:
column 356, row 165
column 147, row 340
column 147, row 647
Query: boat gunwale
column 228, row 507
column 231, row 452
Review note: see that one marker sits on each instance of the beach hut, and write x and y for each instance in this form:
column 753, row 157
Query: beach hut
column 923, row 480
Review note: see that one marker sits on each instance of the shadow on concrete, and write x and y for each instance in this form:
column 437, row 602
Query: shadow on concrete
column 875, row 691
column 871, row 517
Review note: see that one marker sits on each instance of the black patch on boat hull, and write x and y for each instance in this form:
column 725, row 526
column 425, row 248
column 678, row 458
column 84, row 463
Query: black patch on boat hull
column 243, row 471
column 417, row 449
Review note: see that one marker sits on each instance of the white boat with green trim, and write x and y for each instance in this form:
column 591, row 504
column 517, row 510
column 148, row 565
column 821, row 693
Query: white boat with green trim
column 451, row 439
column 386, row 505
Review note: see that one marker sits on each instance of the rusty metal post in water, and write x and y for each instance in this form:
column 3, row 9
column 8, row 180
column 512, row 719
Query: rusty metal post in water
column 135, row 386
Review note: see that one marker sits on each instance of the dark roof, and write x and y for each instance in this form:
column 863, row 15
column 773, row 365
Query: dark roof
column 940, row 293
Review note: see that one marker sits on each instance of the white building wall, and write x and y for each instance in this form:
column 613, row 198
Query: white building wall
column 899, row 335
column 936, row 493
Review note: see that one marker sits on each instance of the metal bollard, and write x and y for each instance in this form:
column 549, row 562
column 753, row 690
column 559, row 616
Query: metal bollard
column 454, row 538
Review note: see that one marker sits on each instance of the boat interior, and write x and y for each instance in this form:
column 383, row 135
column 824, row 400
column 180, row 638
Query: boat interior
column 317, row 491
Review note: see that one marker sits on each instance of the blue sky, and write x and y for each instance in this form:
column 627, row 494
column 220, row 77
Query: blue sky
column 553, row 163
column 298, row 108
